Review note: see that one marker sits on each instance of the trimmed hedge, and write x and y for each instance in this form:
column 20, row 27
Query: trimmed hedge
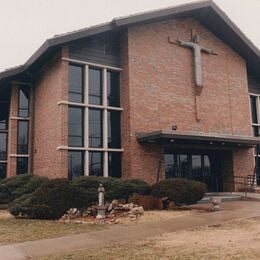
column 180, row 191
column 115, row 188
column 54, row 197
column 52, row 200
column 14, row 187
column 33, row 184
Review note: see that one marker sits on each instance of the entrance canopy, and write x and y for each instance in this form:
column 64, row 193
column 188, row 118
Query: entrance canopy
column 201, row 139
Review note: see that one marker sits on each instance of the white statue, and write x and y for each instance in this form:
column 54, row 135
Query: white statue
column 101, row 196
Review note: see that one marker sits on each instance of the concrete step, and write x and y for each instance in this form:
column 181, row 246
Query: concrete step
column 224, row 196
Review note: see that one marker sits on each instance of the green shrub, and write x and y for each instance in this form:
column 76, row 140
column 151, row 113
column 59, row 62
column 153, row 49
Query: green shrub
column 21, row 206
column 16, row 182
column 115, row 188
column 5, row 194
column 33, row 184
column 51, row 200
column 14, row 187
column 180, row 191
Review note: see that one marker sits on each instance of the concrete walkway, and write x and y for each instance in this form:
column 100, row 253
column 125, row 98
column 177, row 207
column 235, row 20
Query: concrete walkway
column 123, row 234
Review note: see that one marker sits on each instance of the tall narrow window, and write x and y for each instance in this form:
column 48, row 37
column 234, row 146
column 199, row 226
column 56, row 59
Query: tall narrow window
column 113, row 89
column 96, row 163
column 21, row 165
column 114, row 133
column 2, row 171
column 3, row 146
column 24, row 96
column 95, row 128
column 22, row 140
column 76, row 127
column 95, row 86
column 76, row 84
column 3, row 124
column 254, row 109
column 114, row 165
column 23, row 130
column 76, row 164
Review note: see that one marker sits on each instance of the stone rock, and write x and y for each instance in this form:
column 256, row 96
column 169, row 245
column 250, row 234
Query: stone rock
column 140, row 210
column 110, row 207
column 114, row 203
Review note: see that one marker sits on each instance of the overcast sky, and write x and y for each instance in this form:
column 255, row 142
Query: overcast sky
column 26, row 24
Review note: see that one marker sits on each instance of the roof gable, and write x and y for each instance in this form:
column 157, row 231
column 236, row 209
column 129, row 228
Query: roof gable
column 206, row 12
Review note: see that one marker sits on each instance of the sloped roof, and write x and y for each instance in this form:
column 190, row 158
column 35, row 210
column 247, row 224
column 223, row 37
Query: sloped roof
column 206, row 12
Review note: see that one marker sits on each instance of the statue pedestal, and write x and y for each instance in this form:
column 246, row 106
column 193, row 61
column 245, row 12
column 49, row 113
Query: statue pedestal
column 216, row 201
column 101, row 212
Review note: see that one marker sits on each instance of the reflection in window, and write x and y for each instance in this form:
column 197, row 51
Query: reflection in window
column 196, row 167
column 76, row 127
column 114, row 165
column 76, row 164
column 95, row 128
column 97, row 100
column 3, row 146
column 24, row 94
column 3, row 124
column 113, row 89
column 76, row 84
column 21, row 165
column 96, row 163
column 114, row 133
column 2, row 171
column 253, row 100
column 95, row 86
column 22, row 142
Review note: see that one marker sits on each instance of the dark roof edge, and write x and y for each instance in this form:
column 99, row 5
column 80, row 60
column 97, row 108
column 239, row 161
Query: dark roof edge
column 162, row 13
column 123, row 22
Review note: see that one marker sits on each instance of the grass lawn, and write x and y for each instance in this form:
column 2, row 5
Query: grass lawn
column 238, row 240
column 20, row 230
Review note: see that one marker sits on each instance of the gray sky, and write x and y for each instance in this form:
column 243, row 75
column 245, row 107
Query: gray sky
column 26, row 24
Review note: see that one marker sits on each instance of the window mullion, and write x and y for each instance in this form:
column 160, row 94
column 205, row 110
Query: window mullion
column 86, row 122
column 105, row 134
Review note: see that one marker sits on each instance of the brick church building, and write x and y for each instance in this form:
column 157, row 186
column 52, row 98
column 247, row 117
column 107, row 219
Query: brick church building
column 164, row 94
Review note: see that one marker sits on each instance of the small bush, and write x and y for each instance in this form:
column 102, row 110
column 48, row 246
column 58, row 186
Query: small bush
column 51, row 200
column 180, row 191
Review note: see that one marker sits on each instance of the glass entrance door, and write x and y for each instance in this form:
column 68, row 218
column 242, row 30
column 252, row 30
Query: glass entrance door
column 193, row 166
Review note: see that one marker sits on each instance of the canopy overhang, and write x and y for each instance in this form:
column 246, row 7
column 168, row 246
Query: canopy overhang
column 194, row 139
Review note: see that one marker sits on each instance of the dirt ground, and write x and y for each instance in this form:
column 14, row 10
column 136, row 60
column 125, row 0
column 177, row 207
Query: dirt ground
column 238, row 239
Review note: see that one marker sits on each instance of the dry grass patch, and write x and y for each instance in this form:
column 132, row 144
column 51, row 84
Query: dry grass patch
column 20, row 230
column 238, row 239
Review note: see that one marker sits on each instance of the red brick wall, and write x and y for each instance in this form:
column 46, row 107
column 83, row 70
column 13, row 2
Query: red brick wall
column 158, row 88
column 50, row 119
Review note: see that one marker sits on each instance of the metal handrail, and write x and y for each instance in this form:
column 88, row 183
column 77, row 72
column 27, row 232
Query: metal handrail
column 242, row 180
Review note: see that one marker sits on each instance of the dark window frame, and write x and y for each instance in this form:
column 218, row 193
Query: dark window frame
column 27, row 136
column 6, row 146
column 82, row 127
column 21, row 109
column 100, row 97
column 82, row 83
column 18, row 172
column 101, row 137
column 71, row 176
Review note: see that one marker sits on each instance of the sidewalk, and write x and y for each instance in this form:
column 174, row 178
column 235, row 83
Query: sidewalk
column 123, row 234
